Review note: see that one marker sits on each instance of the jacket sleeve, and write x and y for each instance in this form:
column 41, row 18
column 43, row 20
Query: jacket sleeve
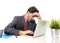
column 32, row 25
column 10, row 30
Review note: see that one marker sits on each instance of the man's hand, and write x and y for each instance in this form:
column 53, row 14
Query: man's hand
column 29, row 32
column 22, row 32
column 26, row 32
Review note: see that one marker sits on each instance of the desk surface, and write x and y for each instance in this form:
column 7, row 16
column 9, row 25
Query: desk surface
column 29, row 39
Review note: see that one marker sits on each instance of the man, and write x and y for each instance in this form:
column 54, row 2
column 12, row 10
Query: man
column 23, row 24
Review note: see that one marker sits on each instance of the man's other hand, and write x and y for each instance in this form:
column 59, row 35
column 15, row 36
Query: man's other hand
column 25, row 32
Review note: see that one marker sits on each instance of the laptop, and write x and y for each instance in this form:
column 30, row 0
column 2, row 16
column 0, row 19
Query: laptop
column 40, row 28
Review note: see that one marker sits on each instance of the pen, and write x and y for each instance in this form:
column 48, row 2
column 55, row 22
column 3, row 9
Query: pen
column 16, row 36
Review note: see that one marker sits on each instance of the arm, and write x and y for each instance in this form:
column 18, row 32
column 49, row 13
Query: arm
column 33, row 25
column 9, row 29
column 31, row 28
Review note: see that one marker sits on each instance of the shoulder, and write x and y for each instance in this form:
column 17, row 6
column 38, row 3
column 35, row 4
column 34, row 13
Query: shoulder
column 18, row 17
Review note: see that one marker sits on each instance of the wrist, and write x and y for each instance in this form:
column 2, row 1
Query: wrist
column 20, row 32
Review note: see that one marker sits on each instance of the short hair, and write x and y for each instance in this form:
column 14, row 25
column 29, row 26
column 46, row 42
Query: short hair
column 33, row 9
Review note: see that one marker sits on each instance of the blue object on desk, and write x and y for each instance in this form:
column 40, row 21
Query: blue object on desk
column 6, row 36
column 1, row 33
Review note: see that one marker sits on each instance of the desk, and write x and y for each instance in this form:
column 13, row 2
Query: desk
column 28, row 39
column 23, row 39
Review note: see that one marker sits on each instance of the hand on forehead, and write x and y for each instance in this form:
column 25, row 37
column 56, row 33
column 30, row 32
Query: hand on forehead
column 36, row 15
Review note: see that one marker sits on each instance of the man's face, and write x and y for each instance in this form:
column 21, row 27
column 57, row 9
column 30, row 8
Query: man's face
column 32, row 15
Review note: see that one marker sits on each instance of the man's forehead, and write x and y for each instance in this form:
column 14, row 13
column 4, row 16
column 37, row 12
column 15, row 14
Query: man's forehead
column 35, row 13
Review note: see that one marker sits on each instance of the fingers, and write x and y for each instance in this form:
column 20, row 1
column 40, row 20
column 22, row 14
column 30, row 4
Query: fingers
column 26, row 32
column 39, row 17
column 30, row 32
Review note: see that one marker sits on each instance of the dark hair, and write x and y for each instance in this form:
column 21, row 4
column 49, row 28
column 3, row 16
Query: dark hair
column 33, row 9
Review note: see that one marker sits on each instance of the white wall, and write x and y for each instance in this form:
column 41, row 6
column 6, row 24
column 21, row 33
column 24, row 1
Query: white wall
column 9, row 8
column 54, row 9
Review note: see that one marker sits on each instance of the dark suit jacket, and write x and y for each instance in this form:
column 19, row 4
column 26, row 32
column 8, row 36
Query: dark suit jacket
column 17, row 24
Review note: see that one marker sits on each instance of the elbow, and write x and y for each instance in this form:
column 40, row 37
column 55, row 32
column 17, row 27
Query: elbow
column 6, row 31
